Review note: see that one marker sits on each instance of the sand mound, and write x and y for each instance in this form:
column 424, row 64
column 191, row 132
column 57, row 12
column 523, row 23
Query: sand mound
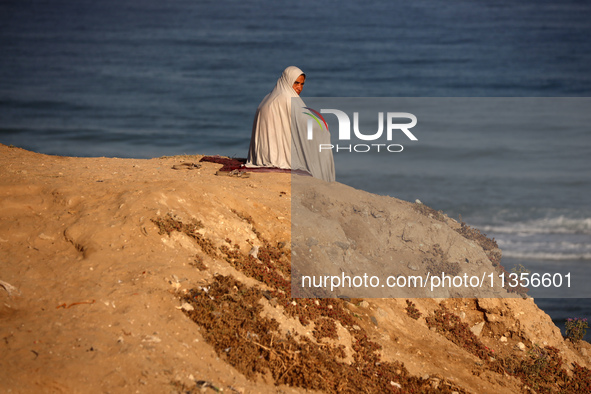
column 123, row 275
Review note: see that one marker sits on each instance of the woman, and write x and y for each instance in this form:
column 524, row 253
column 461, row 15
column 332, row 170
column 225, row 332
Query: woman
column 280, row 141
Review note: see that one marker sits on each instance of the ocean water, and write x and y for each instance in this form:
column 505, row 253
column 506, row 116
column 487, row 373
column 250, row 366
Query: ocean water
column 150, row 78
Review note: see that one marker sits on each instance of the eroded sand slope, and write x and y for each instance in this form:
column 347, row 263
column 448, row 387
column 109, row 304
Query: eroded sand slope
column 96, row 299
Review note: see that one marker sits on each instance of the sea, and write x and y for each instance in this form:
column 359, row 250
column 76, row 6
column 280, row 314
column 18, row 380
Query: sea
column 148, row 78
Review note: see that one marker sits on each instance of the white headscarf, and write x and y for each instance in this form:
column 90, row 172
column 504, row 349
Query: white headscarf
column 277, row 142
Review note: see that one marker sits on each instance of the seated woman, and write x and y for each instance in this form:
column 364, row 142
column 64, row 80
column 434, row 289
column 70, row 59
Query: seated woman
column 279, row 141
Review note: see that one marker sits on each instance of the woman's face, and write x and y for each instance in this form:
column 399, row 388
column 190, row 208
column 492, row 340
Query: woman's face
column 298, row 85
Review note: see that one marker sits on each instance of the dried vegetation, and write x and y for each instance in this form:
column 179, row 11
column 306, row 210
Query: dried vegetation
column 230, row 317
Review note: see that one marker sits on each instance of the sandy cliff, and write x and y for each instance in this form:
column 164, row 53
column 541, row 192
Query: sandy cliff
column 124, row 275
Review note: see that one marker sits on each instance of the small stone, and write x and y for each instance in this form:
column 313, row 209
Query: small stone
column 491, row 317
column 364, row 304
column 254, row 252
column 9, row 288
column 503, row 339
column 152, row 339
column 397, row 385
column 413, row 266
column 187, row 307
column 477, row 328
column 435, row 383
column 342, row 245
column 521, row 346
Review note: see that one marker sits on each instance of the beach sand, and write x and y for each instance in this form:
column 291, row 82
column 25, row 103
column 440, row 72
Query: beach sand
column 92, row 289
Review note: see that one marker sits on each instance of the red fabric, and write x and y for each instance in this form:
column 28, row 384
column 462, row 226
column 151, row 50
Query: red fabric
column 228, row 164
column 238, row 164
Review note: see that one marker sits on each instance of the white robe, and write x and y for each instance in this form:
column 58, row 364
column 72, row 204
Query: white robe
column 279, row 141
